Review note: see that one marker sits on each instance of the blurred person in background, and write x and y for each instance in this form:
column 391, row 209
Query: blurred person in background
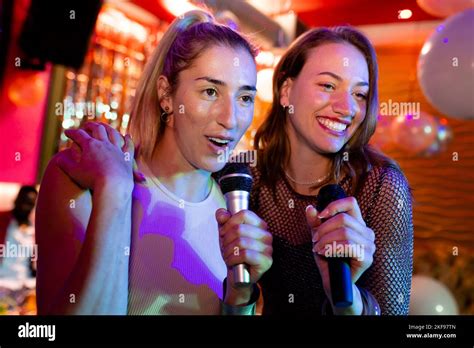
column 17, row 248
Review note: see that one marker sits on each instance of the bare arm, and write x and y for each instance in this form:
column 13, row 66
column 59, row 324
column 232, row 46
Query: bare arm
column 83, row 239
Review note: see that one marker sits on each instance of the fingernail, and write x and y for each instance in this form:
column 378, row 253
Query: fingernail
column 313, row 210
column 323, row 214
column 315, row 237
column 318, row 250
column 220, row 213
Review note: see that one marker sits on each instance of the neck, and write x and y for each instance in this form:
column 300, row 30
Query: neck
column 305, row 165
column 178, row 175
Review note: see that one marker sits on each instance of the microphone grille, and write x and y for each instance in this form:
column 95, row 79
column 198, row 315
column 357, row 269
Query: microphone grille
column 328, row 194
column 234, row 168
column 235, row 177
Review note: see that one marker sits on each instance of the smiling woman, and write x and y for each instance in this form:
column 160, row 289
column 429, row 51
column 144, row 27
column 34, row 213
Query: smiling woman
column 194, row 100
column 323, row 114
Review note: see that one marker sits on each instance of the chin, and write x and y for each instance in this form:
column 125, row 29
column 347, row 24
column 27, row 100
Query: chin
column 327, row 148
column 211, row 165
column 328, row 151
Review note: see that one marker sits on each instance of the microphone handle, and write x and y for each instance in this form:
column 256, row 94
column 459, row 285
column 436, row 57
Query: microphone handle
column 241, row 275
column 340, row 280
column 237, row 201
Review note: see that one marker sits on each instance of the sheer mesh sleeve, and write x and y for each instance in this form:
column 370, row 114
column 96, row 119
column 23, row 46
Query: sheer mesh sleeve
column 390, row 217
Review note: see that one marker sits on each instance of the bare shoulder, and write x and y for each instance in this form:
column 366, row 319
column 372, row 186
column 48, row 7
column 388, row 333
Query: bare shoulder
column 62, row 214
column 61, row 198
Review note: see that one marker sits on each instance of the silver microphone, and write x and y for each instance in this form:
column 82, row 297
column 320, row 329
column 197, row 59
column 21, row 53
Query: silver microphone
column 236, row 184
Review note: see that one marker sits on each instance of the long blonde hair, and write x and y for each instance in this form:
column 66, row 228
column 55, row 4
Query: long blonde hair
column 186, row 38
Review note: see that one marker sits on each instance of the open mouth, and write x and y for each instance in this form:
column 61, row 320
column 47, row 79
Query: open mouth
column 218, row 142
column 331, row 124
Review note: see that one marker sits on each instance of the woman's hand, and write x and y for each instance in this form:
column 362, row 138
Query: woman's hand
column 244, row 239
column 97, row 159
column 345, row 232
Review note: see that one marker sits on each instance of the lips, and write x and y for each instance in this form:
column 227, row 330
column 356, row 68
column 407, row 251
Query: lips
column 219, row 142
column 333, row 124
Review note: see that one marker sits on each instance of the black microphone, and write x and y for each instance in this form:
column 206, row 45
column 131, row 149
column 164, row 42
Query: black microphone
column 236, row 184
column 339, row 267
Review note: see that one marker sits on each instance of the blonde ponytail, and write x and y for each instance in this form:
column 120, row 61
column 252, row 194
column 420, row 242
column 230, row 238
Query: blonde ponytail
column 146, row 104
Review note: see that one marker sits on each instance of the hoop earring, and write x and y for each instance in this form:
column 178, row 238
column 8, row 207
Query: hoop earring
column 164, row 117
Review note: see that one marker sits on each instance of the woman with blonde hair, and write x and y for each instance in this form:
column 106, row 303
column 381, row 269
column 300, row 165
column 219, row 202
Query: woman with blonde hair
column 108, row 245
column 317, row 132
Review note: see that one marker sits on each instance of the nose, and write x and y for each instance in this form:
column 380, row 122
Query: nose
column 344, row 104
column 227, row 117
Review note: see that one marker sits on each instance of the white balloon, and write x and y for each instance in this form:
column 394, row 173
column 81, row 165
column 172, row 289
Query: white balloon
column 431, row 297
column 446, row 66
column 444, row 8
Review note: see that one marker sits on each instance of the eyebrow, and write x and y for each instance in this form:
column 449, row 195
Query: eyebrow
column 337, row 77
column 222, row 83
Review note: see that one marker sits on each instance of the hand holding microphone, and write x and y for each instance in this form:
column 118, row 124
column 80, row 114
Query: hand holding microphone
column 340, row 228
column 246, row 245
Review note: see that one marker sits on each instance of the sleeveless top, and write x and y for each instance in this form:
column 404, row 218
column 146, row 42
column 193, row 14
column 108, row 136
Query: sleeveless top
column 176, row 265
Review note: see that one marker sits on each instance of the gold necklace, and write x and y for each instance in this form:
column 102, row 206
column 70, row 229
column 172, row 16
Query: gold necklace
column 307, row 183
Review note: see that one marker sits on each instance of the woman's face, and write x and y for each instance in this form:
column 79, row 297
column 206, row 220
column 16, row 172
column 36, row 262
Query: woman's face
column 327, row 101
column 213, row 105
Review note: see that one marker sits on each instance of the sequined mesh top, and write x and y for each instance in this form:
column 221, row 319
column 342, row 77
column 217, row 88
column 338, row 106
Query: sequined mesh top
column 293, row 284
